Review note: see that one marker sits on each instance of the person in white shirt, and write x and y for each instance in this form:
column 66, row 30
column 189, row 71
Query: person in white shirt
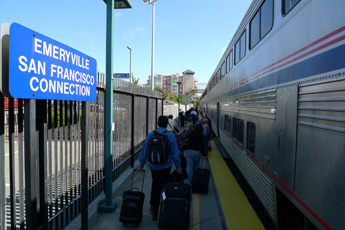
column 194, row 116
column 171, row 124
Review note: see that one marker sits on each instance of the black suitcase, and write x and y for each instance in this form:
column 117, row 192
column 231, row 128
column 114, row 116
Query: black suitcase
column 177, row 190
column 200, row 179
column 132, row 204
column 174, row 210
column 174, row 213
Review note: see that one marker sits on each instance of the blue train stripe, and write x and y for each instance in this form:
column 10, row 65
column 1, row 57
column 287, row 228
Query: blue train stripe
column 325, row 62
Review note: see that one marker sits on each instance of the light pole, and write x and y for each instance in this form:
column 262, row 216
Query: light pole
column 130, row 64
column 153, row 41
column 178, row 101
column 108, row 206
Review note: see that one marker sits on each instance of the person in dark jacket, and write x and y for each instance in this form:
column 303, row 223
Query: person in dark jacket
column 181, row 115
column 160, row 172
column 195, row 150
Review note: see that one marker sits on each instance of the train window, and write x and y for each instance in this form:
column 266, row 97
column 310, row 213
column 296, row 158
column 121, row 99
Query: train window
column 238, row 129
column 266, row 17
column 261, row 23
column 237, row 53
column 218, row 76
column 222, row 70
column 287, row 5
column 251, row 137
column 227, row 124
column 255, row 30
column 229, row 62
column 240, row 48
column 243, row 46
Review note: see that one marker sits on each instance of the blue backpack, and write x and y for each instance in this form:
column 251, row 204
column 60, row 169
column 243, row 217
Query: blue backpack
column 158, row 148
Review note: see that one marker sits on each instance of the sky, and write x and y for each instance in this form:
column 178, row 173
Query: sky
column 189, row 34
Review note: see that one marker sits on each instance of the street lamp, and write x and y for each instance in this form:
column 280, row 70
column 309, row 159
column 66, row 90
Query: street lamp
column 108, row 205
column 130, row 64
column 178, row 101
column 153, row 40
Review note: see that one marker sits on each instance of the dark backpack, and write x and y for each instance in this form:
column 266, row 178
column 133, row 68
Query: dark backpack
column 158, row 148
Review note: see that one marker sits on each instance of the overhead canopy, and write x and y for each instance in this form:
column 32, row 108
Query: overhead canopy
column 121, row 4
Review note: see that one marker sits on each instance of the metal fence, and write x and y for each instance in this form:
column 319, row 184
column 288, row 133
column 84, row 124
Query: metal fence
column 41, row 152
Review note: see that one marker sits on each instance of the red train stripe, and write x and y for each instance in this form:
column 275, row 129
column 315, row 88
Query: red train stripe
column 251, row 77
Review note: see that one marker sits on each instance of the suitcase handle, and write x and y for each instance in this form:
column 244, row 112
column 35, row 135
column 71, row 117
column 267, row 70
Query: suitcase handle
column 202, row 159
column 142, row 186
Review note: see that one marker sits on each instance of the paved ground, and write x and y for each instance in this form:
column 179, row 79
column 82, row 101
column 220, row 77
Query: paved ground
column 205, row 209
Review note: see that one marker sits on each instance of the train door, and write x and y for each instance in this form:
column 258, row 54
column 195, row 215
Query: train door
column 285, row 134
column 218, row 117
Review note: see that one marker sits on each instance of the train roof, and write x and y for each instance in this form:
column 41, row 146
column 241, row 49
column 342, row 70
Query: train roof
column 245, row 20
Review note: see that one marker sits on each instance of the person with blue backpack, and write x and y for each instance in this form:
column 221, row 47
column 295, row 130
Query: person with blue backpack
column 160, row 150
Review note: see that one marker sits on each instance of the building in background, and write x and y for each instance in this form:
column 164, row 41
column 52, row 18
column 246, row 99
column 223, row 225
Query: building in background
column 168, row 83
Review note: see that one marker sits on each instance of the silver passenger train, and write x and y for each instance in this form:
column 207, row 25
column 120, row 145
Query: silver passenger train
column 277, row 103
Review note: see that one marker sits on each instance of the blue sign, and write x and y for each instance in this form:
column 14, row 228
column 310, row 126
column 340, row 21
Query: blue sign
column 121, row 75
column 42, row 68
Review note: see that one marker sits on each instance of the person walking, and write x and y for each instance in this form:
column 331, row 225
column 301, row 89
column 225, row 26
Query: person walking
column 194, row 116
column 172, row 125
column 160, row 171
column 206, row 133
column 181, row 115
column 196, row 149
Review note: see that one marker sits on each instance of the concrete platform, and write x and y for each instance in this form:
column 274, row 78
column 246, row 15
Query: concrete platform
column 224, row 207
column 205, row 214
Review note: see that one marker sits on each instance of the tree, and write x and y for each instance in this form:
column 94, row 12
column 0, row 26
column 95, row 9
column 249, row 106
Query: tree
column 134, row 80
column 164, row 94
column 173, row 98
column 197, row 103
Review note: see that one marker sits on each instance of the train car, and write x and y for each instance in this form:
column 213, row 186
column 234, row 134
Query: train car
column 277, row 104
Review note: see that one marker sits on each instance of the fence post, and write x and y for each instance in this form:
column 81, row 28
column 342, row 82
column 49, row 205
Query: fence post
column 2, row 165
column 41, row 120
column 147, row 114
column 84, row 166
column 132, row 130
column 156, row 121
column 31, row 167
column 12, row 162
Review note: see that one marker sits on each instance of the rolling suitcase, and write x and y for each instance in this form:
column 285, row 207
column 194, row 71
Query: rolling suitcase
column 132, row 204
column 174, row 213
column 174, row 210
column 200, row 179
column 177, row 190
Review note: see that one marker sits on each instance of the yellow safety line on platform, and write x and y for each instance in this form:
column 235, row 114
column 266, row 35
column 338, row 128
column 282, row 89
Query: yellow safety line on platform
column 238, row 213
column 196, row 212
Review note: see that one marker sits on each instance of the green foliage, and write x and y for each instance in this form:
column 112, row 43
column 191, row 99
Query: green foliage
column 173, row 98
column 164, row 94
column 135, row 81
column 167, row 95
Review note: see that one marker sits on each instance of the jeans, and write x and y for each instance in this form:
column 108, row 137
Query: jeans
column 193, row 162
column 206, row 140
